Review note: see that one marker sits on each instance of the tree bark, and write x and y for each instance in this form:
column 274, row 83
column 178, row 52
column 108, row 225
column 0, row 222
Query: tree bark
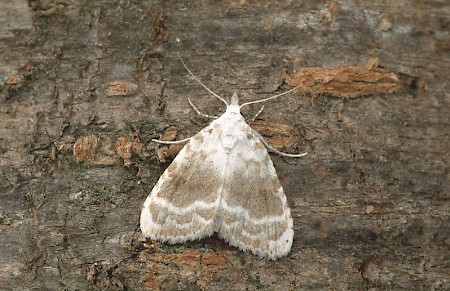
column 86, row 85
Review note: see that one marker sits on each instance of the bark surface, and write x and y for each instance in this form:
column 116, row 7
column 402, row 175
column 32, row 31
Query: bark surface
column 85, row 86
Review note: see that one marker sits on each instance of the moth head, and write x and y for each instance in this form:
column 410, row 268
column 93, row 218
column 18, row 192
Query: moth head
column 234, row 99
column 233, row 108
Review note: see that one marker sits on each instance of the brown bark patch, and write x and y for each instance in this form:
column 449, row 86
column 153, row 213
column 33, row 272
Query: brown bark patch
column 346, row 81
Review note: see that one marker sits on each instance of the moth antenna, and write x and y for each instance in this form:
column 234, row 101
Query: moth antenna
column 200, row 82
column 272, row 149
column 269, row 98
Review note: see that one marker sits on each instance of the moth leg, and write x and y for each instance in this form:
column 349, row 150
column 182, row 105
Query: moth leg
column 200, row 113
column 171, row 142
column 272, row 149
column 257, row 114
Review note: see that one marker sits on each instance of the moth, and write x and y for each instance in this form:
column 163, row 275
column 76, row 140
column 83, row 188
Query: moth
column 222, row 181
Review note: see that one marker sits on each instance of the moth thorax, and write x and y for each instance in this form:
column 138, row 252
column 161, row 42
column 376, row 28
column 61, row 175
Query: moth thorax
column 228, row 141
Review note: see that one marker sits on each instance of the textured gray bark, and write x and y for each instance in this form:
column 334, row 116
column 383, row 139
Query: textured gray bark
column 370, row 202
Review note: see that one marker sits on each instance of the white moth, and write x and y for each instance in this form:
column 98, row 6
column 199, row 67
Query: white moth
column 222, row 181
